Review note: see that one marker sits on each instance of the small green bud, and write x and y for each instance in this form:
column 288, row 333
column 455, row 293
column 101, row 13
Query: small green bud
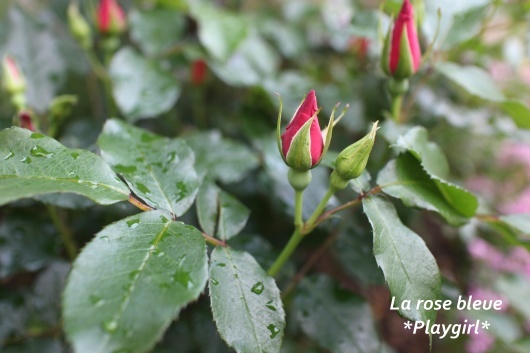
column 79, row 26
column 351, row 162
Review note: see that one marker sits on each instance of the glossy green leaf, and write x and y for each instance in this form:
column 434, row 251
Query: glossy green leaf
column 473, row 79
column 141, row 88
column 246, row 303
column 410, row 278
column 33, row 164
column 435, row 165
column 519, row 112
column 220, row 158
column 337, row 319
column 159, row 170
column 131, row 281
column 158, row 30
column 220, row 31
column 220, row 213
column 405, row 179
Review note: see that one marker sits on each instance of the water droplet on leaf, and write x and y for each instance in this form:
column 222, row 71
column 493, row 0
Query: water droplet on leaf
column 74, row 155
column 274, row 330
column 133, row 223
column 26, row 160
column 214, row 281
column 9, row 156
column 142, row 188
column 258, row 288
column 110, row 325
column 38, row 151
column 96, row 301
column 270, row 305
column 36, row 135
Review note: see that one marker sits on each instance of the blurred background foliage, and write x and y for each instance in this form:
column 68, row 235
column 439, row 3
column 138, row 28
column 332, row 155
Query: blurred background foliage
column 208, row 70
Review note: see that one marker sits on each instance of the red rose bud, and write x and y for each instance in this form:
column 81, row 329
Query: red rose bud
column 302, row 144
column 110, row 18
column 402, row 54
column 198, row 72
column 359, row 46
column 351, row 162
column 12, row 78
column 26, row 121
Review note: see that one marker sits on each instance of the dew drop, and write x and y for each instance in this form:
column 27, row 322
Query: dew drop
column 183, row 278
column 74, row 155
column 9, row 156
column 125, row 168
column 106, row 238
column 26, row 160
column 221, row 264
column 270, row 305
column 133, row 223
column 163, row 219
column 96, row 301
column 214, row 281
column 38, row 151
column 36, row 135
column 134, row 274
column 258, row 288
column 110, row 325
column 274, row 330
column 160, row 254
column 143, row 188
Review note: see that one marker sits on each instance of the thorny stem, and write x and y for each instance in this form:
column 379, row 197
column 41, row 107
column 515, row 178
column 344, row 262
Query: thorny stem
column 64, row 232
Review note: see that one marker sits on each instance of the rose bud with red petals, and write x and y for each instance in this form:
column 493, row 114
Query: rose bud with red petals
column 110, row 18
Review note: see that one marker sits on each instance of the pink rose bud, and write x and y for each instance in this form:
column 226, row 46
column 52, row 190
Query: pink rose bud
column 198, row 72
column 13, row 80
column 110, row 18
column 302, row 144
column 402, row 54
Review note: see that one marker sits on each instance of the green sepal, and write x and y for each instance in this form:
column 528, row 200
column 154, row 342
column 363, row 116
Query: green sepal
column 405, row 67
column 352, row 161
column 299, row 154
column 328, row 131
column 279, row 128
column 385, row 56
column 79, row 27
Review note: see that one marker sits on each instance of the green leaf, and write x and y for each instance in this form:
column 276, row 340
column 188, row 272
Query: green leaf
column 220, row 31
column 473, row 79
column 465, row 25
column 159, row 170
column 220, row 213
column 219, row 158
column 33, row 164
column 405, row 179
column 409, row 277
column 519, row 112
column 26, row 245
column 353, row 249
column 246, row 303
column 131, row 281
column 435, row 165
column 254, row 62
column 158, row 30
column 338, row 320
column 141, row 88
column 519, row 221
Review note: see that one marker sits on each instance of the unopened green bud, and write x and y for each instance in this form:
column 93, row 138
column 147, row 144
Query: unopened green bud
column 351, row 162
column 79, row 27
